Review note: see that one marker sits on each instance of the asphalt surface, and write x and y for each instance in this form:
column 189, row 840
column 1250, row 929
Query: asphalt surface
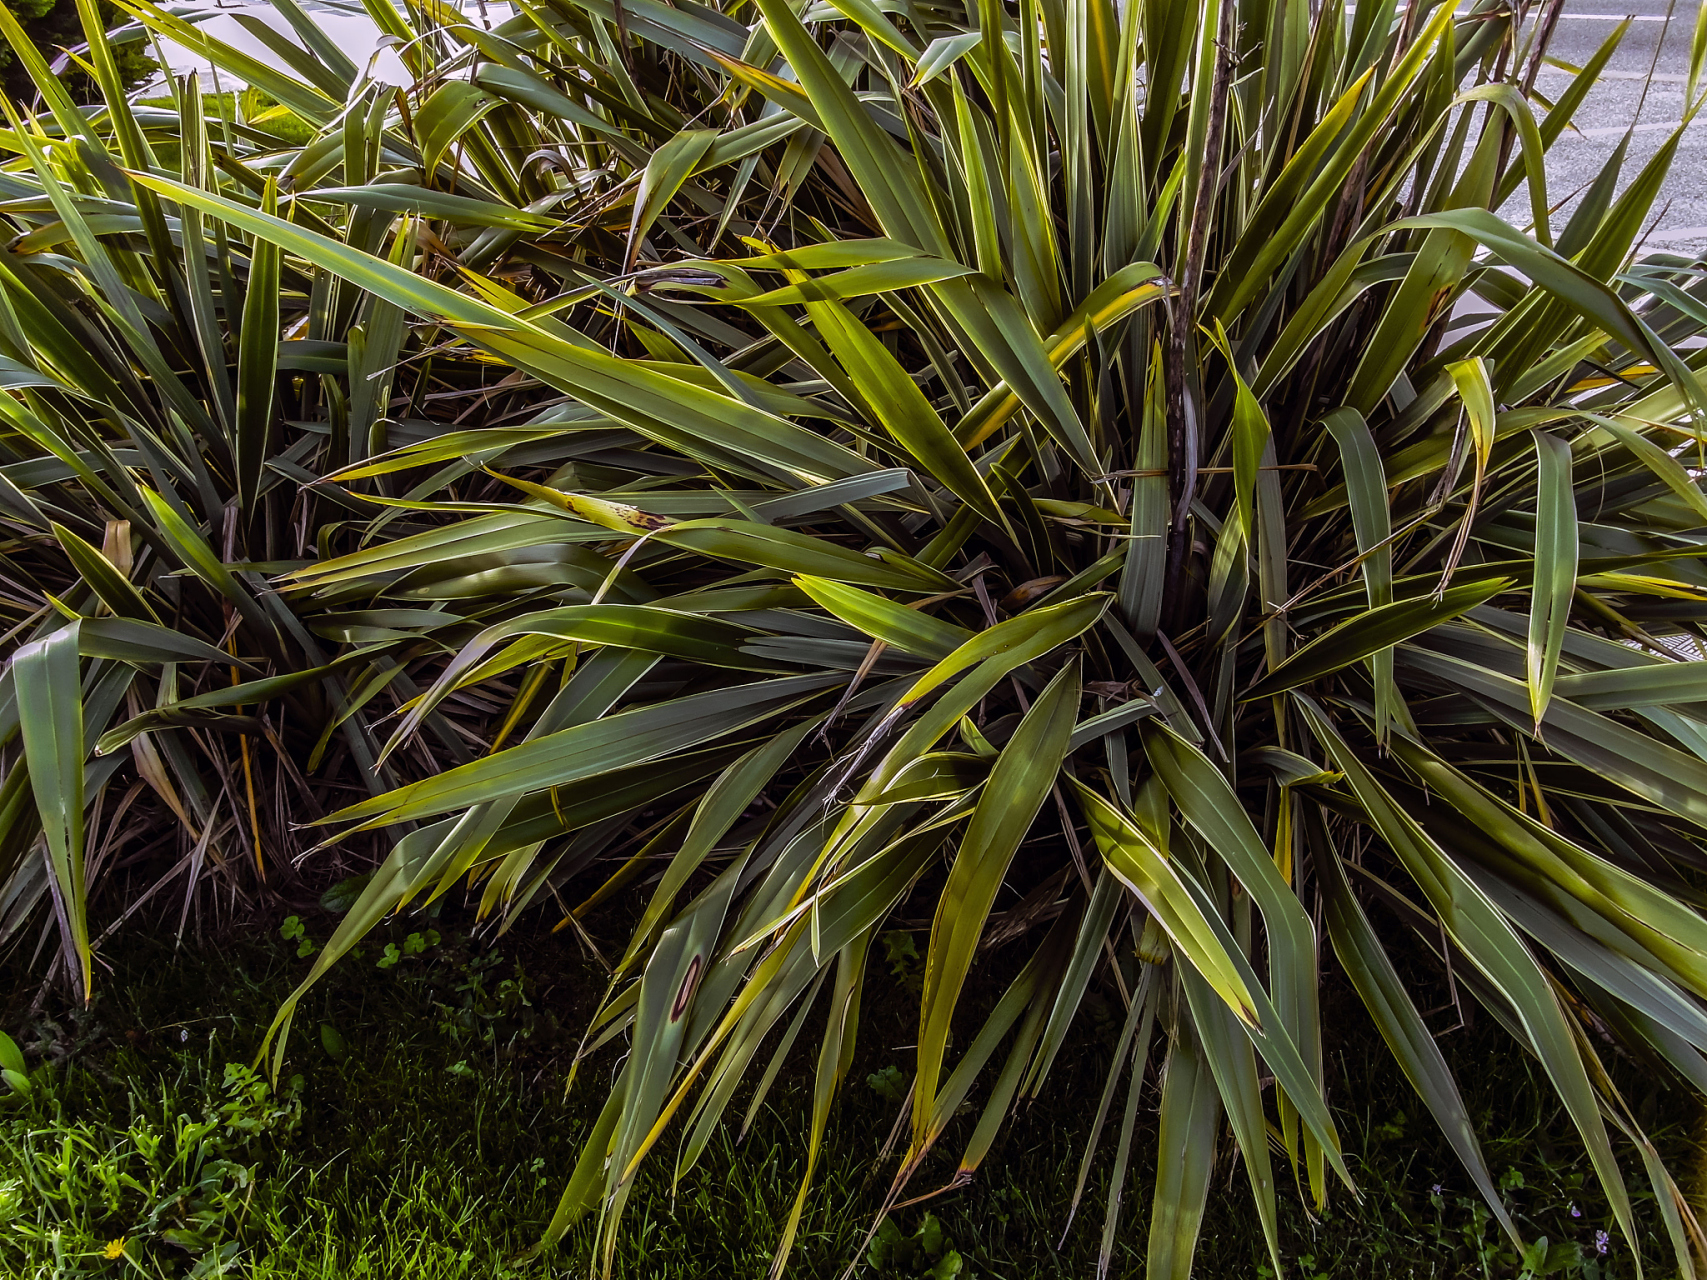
column 1636, row 88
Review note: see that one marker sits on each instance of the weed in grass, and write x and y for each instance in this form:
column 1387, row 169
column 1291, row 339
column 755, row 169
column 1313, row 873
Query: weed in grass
column 175, row 1174
column 927, row 1254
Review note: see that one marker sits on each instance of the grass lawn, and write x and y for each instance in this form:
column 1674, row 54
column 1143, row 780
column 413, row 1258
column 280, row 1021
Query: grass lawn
column 421, row 1129
column 250, row 107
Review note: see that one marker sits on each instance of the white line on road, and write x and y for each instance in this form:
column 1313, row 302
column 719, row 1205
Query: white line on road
column 1618, row 130
column 1670, row 234
column 1587, row 17
column 1659, row 77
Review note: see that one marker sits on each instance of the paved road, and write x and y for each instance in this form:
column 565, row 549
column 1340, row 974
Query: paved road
column 1626, row 94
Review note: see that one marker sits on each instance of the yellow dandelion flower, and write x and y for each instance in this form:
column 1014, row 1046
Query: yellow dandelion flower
column 115, row 1248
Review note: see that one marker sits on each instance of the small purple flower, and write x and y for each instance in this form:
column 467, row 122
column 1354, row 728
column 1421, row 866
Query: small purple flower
column 1601, row 1241
column 1576, row 1212
column 1434, row 1190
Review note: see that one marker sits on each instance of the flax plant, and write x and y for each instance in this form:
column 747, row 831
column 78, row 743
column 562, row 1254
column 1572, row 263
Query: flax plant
column 1100, row 477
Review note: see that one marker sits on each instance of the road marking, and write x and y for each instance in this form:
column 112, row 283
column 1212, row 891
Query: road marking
column 1583, row 17
column 1670, row 234
column 1618, row 130
column 1659, row 77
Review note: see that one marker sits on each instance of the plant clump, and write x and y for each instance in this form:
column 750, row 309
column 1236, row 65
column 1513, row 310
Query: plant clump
column 1096, row 489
